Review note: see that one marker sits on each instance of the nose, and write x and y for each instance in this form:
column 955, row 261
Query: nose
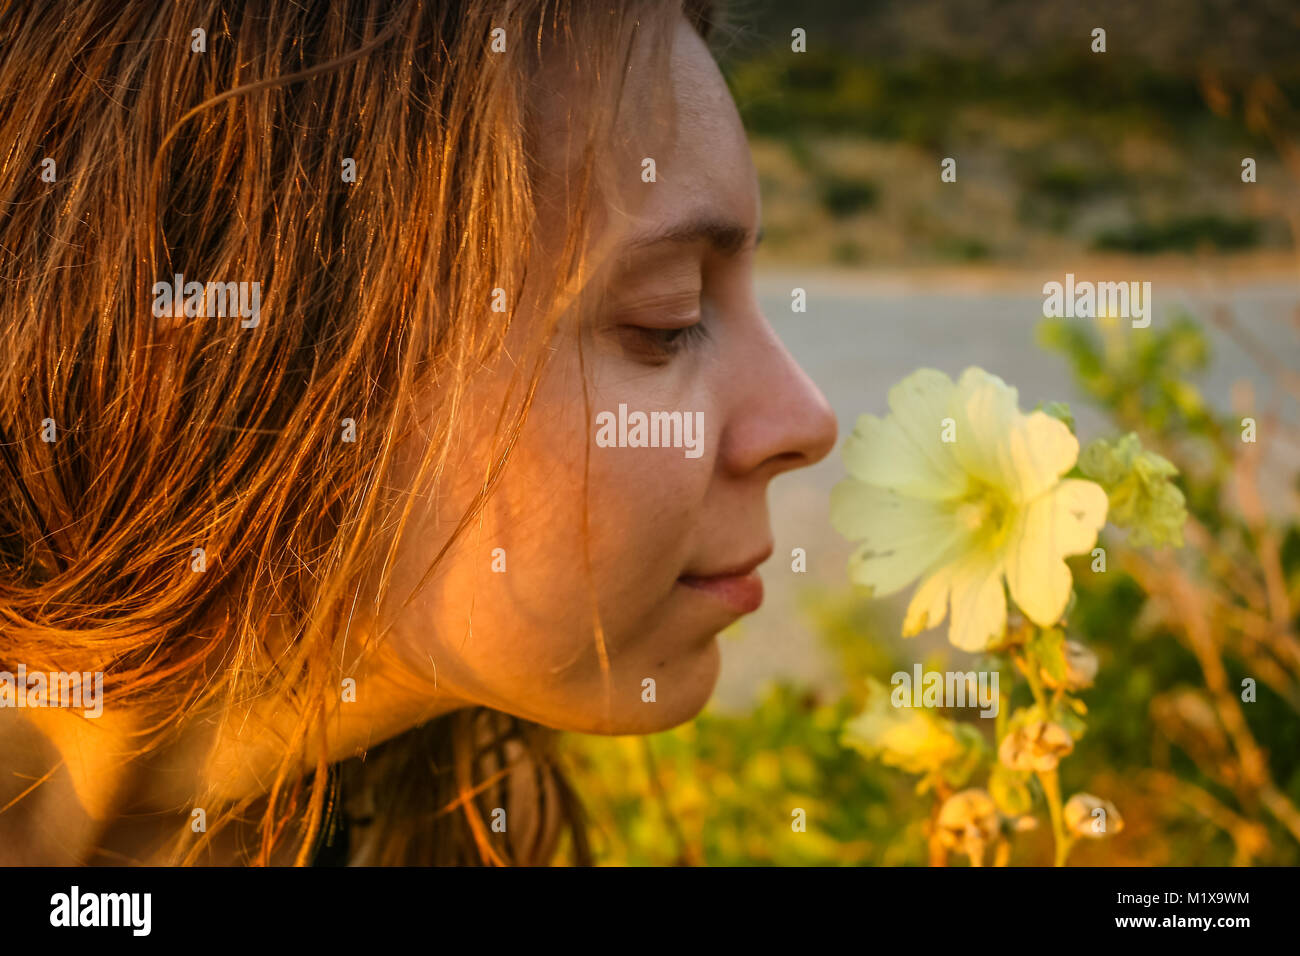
column 780, row 420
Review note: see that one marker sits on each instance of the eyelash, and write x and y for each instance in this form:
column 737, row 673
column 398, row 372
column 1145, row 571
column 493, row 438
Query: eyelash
column 659, row 346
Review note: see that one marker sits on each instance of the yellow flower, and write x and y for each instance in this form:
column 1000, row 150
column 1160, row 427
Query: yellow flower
column 958, row 487
column 913, row 740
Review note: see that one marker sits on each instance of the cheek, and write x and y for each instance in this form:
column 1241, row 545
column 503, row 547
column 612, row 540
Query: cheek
column 644, row 505
column 507, row 617
column 614, row 523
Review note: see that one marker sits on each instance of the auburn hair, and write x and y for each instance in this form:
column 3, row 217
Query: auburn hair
column 209, row 138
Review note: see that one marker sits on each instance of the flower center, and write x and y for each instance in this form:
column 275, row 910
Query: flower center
column 986, row 513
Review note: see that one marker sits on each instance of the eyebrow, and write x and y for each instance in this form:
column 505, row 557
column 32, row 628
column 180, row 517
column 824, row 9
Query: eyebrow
column 725, row 236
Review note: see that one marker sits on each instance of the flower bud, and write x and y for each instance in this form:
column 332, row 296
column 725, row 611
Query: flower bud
column 1038, row 745
column 1083, row 819
column 1140, row 488
column 968, row 822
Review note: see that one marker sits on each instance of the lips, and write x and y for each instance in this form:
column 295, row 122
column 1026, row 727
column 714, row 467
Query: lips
column 739, row 588
column 742, row 593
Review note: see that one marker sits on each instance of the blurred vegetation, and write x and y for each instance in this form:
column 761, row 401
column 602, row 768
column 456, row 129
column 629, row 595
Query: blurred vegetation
column 1185, row 234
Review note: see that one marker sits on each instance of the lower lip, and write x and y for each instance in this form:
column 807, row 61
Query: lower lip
column 741, row 593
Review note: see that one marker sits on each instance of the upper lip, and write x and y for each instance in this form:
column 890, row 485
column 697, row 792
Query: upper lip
column 736, row 570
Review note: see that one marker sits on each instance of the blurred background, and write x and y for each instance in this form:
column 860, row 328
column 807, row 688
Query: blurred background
column 1117, row 166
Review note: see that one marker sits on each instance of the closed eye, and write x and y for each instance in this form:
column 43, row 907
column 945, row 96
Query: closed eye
column 658, row 346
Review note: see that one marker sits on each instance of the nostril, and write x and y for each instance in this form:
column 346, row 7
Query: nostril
column 826, row 431
column 792, row 459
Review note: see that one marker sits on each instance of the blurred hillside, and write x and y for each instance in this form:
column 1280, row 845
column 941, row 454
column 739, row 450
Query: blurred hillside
column 1173, row 36
column 1061, row 152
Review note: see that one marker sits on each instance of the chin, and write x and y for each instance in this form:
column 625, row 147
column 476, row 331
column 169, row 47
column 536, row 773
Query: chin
column 682, row 688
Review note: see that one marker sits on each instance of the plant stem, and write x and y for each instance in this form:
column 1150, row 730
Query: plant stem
column 1048, row 778
column 1052, row 790
column 1029, row 667
column 1000, row 721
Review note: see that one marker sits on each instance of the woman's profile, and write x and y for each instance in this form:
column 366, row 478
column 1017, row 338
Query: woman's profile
column 384, row 391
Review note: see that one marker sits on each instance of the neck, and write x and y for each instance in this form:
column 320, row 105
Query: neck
column 81, row 791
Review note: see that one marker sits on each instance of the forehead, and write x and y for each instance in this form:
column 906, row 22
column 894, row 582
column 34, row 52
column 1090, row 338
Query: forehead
column 706, row 157
column 684, row 120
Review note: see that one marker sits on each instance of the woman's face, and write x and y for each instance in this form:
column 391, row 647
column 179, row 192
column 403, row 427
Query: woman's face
column 662, row 542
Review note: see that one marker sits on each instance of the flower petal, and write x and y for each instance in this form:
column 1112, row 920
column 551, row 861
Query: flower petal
column 1021, row 454
column 929, row 605
column 918, row 405
column 879, row 452
column 1041, row 449
column 904, row 537
column 979, row 604
column 985, row 411
column 1064, row 521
